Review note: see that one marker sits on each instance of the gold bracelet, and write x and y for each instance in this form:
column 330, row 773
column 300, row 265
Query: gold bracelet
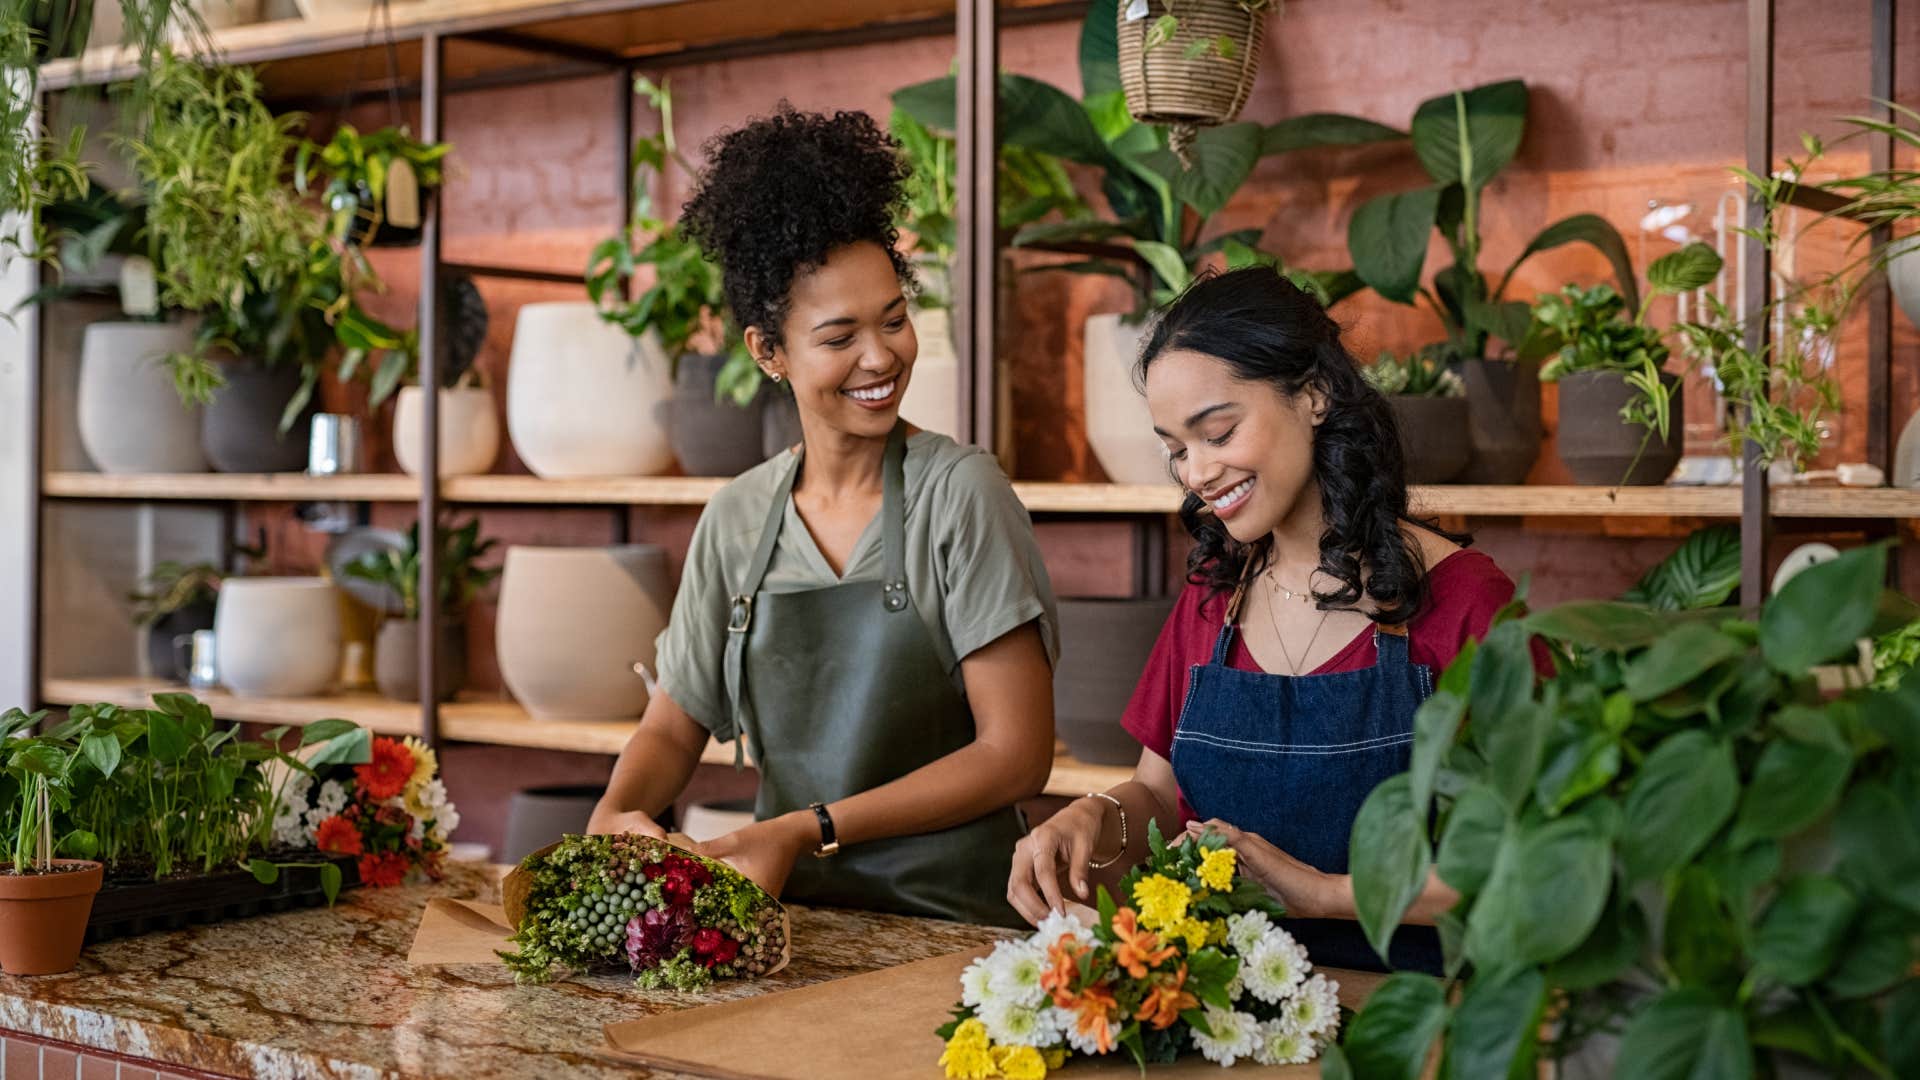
column 1123, row 830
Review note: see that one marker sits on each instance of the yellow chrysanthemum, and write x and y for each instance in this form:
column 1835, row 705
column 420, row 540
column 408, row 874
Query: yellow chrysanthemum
column 1216, row 869
column 426, row 765
column 1054, row 1056
column 1217, row 932
column 1019, row 1063
column 1162, row 901
column 1192, row 931
column 968, row 1055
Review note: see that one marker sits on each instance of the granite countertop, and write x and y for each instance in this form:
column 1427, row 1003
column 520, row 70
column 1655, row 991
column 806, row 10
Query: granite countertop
column 322, row 993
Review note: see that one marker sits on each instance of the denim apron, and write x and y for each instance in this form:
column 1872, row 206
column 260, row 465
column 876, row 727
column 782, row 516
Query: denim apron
column 840, row 689
column 1292, row 757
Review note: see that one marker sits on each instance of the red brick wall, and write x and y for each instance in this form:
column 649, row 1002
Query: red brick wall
column 27, row 1057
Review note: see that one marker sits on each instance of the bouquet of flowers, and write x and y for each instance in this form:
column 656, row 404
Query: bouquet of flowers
column 1196, row 960
column 675, row 919
column 390, row 811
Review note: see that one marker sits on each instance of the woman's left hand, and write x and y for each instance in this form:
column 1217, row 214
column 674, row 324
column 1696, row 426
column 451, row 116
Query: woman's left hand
column 765, row 851
column 1306, row 893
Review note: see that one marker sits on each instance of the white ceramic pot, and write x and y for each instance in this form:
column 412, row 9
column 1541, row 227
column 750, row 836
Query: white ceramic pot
column 1906, row 456
column 131, row 419
column 1903, row 277
column 469, row 430
column 572, row 623
column 277, row 636
column 933, row 392
column 218, row 14
column 327, row 9
column 583, row 398
column 1119, row 428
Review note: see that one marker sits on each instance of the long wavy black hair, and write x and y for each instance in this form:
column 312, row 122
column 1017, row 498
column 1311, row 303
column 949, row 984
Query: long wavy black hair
column 1267, row 330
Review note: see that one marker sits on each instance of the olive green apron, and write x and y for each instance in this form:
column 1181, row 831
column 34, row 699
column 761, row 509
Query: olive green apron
column 839, row 690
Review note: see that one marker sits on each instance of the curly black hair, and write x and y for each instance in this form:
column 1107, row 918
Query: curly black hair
column 780, row 193
column 1266, row 329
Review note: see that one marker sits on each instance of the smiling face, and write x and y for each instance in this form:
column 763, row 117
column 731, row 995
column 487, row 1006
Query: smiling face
column 1245, row 446
column 848, row 348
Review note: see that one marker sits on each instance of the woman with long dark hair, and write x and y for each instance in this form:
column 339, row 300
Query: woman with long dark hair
column 1283, row 686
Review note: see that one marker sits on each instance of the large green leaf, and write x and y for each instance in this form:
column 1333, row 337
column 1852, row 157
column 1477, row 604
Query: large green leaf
column 1800, row 936
column 167, row 738
column 1388, row 239
column 1702, row 572
column 1701, row 942
column 1589, row 229
column 1794, row 784
column 1324, row 129
column 1575, row 768
column 1470, row 843
column 1100, row 49
column 1877, row 953
column 1167, row 263
column 1548, row 887
column 1467, row 136
column 1682, row 655
column 1615, row 944
column 1391, row 1036
column 1686, row 1035
column 1823, row 611
column 1900, row 1029
column 1692, row 267
column 1684, row 792
column 1222, row 158
column 1389, row 859
column 930, row 102
column 1879, row 845
column 353, row 747
column 1039, row 116
column 1599, row 624
column 1070, row 232
column 1496, row 1028
column 1435, row 723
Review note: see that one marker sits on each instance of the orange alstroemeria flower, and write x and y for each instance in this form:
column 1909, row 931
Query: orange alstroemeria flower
column 1096, row 1009
column 1166, row 1001
column 1063, row 966
column 1137, row 950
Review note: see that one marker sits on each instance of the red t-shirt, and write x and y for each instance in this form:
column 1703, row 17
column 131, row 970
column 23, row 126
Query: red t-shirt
column 1464, row 590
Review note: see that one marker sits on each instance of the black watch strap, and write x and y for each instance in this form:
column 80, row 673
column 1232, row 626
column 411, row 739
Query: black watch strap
column 829, row 843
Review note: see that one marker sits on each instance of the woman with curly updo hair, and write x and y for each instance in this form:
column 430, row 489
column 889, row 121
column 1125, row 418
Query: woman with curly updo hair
column 867, row 611
column 1283, row 686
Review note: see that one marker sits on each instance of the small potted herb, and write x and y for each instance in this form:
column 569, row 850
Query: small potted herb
column 1617, row 401
column 378, row 184
column 44, row 901
column 396, row 668
column 469, row 420
column 1430, row 409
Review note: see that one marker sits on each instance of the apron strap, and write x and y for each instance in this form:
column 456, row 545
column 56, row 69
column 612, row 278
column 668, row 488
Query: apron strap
column 1390, row 645
column 893, row 521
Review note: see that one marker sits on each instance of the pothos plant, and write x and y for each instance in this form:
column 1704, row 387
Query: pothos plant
column 1675, row 838
column 357, row 169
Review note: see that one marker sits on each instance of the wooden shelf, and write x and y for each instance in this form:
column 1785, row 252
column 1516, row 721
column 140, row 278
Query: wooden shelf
column 611, row 490
column 496, row 723
column 247, row 487
column 1845, row 502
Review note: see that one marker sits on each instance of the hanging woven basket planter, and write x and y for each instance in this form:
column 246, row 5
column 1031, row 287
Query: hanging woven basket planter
column 1189, row 64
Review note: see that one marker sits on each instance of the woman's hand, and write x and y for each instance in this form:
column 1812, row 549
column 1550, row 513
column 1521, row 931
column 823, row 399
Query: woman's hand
column 1305, row 892
column 765, row 851
column 625, row 821
column 1060, row 846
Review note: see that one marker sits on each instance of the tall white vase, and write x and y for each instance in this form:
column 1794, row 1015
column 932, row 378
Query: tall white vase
column 469, row 430
column 933, row 393
column 572, row 623
column 131, row 419
column 1119, row 428
column 277, row 636
column 583, row 398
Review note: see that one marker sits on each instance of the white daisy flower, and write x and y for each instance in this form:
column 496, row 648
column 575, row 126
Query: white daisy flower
column 290, row 828
column 1278, row 1043
column 1016, row 970
column 333, row 798
column 418, row 830
column 1058, row 924
column 1234, row 1036
column 1315, row 1009
column 974, row 983
column 1012, row 1024
column 1274, row 967
column 445, row 820
column 433, row 794
column 1245, row 931
column 296, row 790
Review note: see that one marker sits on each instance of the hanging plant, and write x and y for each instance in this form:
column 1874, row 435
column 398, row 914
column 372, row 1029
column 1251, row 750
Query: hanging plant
column 377, row 184
column 1189, row 64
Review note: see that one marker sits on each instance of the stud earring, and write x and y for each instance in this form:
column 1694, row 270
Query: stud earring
column 776, row 376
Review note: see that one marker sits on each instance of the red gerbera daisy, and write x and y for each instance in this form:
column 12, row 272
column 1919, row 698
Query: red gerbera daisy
column 387, row 774
column 337, row 836
column 380, row 871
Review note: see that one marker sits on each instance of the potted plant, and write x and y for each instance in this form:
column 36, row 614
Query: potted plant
column 1617, row 401
column 396, row 663
column 469, row 420
column 1189, row 63
column 172, row 601
column 378, row 184
column 1675, row 839
column 44, row 901
column 1430, row 409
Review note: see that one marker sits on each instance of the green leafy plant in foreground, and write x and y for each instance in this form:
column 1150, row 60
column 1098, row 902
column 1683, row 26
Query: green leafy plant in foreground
column 1676, row 837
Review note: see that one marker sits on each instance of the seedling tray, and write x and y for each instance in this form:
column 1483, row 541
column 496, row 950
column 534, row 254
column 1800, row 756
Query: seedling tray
column 134, row 905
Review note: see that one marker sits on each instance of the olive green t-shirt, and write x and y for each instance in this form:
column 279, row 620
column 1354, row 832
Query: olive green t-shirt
column 973, row 569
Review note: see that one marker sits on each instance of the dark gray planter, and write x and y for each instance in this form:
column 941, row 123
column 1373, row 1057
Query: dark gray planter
column 396, row 659
column 1433, row 434
column 1503, row 418
column 779, row 421
column 539, row 816
column 1104, row 646
column 163, row 660
column 240, row 431
column 711, row 438
column 1600, row 448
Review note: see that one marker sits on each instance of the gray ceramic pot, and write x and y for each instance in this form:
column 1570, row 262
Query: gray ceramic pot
column 711, row 438
column 537, row 817
column 1104, row 645
column 779, row 421
column 396, row 659
column 1600, row 448
column 1503, row 418
column 1433, row 434
column 240, row 431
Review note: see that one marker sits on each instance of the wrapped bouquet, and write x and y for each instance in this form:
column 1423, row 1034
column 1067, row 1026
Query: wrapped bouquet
column 390, row 812
column 1196, row 960
column 675, row 919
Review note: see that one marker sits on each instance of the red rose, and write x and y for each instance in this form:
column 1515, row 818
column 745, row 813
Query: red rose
column 381, row 871
column 707, row 941
column 654, row 870
column 337, row 836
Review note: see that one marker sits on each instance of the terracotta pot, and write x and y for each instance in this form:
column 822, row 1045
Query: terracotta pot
column 43, row 917
column 396, row 659
column 711, row 438
column 1104, row 645
column 583, row 398
column 131, row 418
column 1433, row 436
column 779, row 422
column 573, row 621
column 1600, row 448
column 469, row 430
column 277, row 636
column 1119, row 428
column 1503, row 416
column 240, row 431
column 932, row 400
column 163, row 660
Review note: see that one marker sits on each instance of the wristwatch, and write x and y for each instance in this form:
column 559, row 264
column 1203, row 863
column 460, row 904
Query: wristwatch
column 829, row 844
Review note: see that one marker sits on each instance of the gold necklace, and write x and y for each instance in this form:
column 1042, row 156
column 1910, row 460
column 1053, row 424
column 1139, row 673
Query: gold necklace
column 1304, row 596
column 1293, row 666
